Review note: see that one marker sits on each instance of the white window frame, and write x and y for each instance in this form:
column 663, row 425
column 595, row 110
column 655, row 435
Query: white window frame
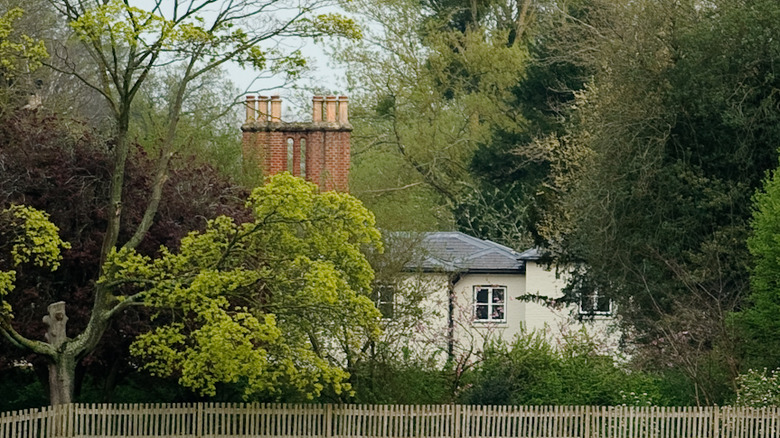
column 379, row 302
column 594, row 302
column 490, row 303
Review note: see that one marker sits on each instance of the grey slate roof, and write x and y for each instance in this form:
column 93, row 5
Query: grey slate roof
column 452, row 251
column 531, row 254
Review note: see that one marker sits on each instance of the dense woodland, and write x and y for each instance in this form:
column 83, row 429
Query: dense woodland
column 635, row 141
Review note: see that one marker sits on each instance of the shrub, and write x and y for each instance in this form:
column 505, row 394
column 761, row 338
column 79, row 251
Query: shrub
column 530, row 371
column 758, row 389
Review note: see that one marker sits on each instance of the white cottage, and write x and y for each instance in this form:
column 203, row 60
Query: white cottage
column 475, row 290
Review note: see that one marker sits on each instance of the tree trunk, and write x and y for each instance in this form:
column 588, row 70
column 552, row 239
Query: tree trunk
column 62, row 369
column 62, row 376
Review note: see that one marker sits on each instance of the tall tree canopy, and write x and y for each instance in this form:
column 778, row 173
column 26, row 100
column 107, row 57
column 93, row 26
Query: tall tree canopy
column 758, row 321
column 663, row 152
column 427, row 96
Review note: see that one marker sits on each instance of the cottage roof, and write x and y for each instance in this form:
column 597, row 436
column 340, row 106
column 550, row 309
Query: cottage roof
column 452, row 251
column 532, row 254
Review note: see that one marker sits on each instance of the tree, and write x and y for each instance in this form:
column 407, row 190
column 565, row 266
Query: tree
column 663, row 150
column 427, row 97
column 207, row 127
column 20, row 55
column 281, row 301
column 277, row 302
column 28, row 237
column 513, row 193
column 757, row 321
column 61, row 166
column 126, row 45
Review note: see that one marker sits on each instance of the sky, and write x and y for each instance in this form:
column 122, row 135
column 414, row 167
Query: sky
column 323, row 73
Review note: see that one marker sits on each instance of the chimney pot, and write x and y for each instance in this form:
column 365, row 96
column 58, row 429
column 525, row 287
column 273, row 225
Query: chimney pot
column 251, row 112
column 263, row 105
column 317, row 108
column 343, row 110
column 276, row 109
column 330, row 103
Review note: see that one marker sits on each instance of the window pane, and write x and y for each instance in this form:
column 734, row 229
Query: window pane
column 498, row 312
column 482, row 295
column 383, row 297
column 602, row 304
column 498, row 296
column 586, row 304
column 482, row 312
column 386, row 292
column 386, row 309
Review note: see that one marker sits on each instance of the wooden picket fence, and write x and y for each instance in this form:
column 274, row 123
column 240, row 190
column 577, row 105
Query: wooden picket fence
column 386, row 421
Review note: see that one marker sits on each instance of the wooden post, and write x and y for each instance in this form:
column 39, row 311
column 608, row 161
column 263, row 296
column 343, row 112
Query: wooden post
column 328, row 432
column 199, row 420
column 587, row 418
column 716, row 421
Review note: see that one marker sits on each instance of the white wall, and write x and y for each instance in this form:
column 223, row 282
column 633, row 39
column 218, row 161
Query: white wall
column 430, row 334
column 425, row 335
column 545, row 314
column 555, row 319
column 470, row 333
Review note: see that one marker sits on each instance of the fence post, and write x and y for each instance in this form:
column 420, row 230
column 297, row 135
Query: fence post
column 716, row 422
column 71, row 432
column 586, row 419
column 328, row 432
column 455, row 421
column 199, row 420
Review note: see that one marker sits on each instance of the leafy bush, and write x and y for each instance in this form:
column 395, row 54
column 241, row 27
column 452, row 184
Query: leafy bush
column 757, row 389
column 400, row 381
column 530, row 371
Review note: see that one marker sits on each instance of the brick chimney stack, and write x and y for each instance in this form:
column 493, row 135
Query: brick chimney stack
column 318, row 151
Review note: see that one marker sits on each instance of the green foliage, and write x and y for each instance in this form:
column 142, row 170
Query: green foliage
column 758, row 321
column 427, row 97
column 530, row 371
column 18, row 53
column 400, row 380
column 662, row 151
column 757, row 389
column 260, row 302
column 206, row 131
column 118, row 24
column 33, row 238
column 514, row 194
column 26, row 236
column 125, row 23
